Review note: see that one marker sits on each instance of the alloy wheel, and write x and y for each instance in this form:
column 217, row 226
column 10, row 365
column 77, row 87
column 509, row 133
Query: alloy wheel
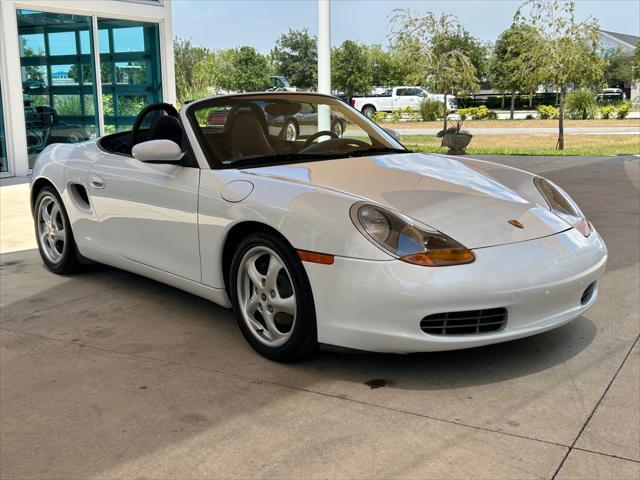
column 290, row 132
column 266, row 296
column 51, row 229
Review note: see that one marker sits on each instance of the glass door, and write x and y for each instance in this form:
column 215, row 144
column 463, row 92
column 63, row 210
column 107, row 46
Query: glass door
column 58, row 79
column 129, row 70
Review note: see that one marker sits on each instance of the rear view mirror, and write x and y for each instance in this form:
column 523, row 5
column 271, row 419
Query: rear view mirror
column 394, row 133
column 158, row 151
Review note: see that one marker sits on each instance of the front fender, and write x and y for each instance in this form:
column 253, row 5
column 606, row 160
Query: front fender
column 310, row 218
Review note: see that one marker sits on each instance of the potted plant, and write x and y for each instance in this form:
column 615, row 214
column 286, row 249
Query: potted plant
column 455, row 138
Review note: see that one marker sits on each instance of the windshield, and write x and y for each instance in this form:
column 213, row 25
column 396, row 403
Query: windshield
column 265, row 129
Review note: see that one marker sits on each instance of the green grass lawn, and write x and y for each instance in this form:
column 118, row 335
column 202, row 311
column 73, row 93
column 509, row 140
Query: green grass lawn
column 528, row 144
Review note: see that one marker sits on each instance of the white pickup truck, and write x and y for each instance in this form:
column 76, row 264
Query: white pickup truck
column 397, row 98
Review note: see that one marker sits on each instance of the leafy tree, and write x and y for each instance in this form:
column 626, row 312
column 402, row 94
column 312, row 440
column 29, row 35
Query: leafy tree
column 350, row 68
column 618, row 67
column 242, row 69
column 636, row 63
column 478, row 52
column 387, row 68
column 510, row 70
column 563, row 50
column 425, row 41
column 186, row 58
column 295, row 56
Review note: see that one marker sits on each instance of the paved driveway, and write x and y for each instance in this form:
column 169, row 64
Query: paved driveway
column 111, row 375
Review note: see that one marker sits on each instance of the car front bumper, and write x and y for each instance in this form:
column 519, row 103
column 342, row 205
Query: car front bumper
column 378, row 305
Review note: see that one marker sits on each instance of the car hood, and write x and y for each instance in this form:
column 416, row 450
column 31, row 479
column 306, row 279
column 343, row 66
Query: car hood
column 459, row 198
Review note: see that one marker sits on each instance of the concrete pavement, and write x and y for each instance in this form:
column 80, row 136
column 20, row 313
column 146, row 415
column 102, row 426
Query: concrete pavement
column 110, row 375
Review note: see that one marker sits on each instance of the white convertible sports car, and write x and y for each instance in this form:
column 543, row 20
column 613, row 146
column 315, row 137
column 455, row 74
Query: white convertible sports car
column 336, row 236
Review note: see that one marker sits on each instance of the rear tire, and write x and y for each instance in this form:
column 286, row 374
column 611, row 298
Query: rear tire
column 369, row 111
column 55, row 240
column 290, row 131
column 272, row 298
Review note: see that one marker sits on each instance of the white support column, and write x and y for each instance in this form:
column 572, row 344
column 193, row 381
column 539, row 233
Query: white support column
column 324, row 62
column 13, row 105
column 324, row 46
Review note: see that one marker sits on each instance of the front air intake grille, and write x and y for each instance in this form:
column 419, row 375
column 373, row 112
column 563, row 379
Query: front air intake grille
column 465, row 323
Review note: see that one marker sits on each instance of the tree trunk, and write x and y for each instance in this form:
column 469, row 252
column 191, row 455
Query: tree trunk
column 502, row 107
column 560, row 144
column 513, row 104
column 445, row 111
column 531, row 100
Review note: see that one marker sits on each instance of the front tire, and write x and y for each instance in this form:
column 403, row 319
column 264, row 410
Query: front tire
column 56, row 244
column 272, row 298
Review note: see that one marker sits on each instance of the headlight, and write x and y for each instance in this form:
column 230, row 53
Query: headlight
column 403, row 239
column 562, row 205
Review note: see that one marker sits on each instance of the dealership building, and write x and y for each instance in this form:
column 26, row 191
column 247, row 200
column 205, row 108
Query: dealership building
column 72, row 70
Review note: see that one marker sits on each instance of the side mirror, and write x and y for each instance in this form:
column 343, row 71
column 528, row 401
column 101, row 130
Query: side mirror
column 394, row 133
column 157, row 151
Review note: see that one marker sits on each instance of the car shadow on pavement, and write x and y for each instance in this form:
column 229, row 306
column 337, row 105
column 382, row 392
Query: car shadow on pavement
column 107, row 308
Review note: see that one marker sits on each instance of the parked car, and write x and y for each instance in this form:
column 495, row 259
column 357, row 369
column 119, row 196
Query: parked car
column 397, row 98
column 611, row 95
column 278, row 83
column 291, row 125
column 352, row 241
column 45, row 127
column 33, row 86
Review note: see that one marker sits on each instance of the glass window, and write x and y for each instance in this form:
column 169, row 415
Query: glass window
column 57, row 78
column 129, row 69
column 32, row 45
column 3, row 143
column 285, row 128
column 65, row 75
column 62, row 43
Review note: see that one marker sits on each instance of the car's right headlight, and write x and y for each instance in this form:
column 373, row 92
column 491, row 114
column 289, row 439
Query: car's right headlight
column 404, row 239
column 563, row 205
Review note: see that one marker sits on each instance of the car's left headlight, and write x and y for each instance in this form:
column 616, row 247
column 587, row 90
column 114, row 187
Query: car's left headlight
column 405, row 240
column 563, row 205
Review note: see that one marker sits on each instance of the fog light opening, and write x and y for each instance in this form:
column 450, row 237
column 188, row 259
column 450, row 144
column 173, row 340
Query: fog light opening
column 588, row 293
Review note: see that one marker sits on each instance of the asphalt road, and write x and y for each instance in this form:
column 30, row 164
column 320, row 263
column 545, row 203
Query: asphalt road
column 110, row 375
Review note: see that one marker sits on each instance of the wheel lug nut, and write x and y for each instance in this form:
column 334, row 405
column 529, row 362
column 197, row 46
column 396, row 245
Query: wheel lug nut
column 264, row 297
column 270, row 309
column 263, row 282
column 272, row 293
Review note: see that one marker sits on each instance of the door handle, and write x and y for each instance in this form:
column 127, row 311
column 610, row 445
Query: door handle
column 97, row 181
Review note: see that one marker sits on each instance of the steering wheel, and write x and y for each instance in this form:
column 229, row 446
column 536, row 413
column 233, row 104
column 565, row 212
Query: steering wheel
column 135, row 131
column 349, row 144
column 319, row 134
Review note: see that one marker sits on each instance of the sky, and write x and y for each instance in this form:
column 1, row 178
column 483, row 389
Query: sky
column 259, row 23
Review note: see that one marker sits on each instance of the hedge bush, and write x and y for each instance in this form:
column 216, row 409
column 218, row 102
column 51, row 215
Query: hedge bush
column 623, row 110
column 607, row 111
column 430, row 109
column 476, row 113
column 581, row 104
column 548, row 112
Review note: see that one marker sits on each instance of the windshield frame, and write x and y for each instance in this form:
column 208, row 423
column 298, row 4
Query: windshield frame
column 216, row 164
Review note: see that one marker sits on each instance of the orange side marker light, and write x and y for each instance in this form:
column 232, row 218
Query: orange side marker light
column 315, row 257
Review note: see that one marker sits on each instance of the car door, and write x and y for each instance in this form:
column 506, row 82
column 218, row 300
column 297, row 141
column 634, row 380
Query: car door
column 413, row 98
column 148, row 212
column 307, row 119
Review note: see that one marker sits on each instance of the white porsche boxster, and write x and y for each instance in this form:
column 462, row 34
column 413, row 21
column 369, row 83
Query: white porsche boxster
column 318, row 227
